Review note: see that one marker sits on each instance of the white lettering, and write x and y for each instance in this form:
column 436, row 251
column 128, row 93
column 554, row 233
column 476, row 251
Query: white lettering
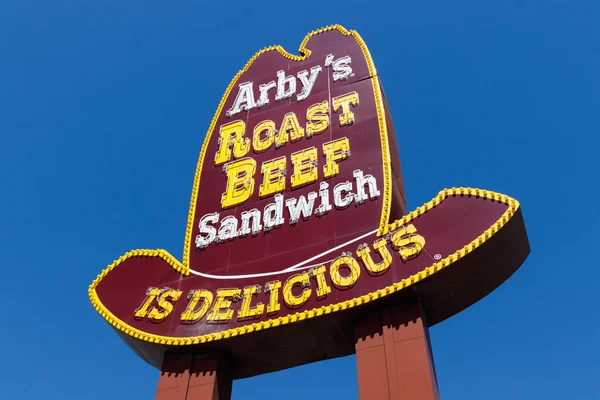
column 244, row 100
column 264, row 93
column 361, row 181
column 228, row 229
column 253, row 214
column 341, row 68
column 273, row 214
column 325, row 206
column 329, row 60
column 339, row 200
column 301, row 206
column 307, row 82
column 202, row 242
column 297, row 208
column 282, row 80
column 286, row 85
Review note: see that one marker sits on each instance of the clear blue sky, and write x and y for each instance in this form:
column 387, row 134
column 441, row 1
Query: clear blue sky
column 103, row 109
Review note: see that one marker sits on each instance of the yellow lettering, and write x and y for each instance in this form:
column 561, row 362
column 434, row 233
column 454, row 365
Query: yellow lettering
column 337, row 150
column 347, row 116
column 246, row 310
column 288, row 295
column 151, row 294
column 189, row 315
column 273, row 289
column 367, row 259
column 165, row 304
column 317, row 118
column 240, row 183
column 291, row 127
column 220, row 310
column 305, row 168
column 344, row 281
column 409, row 244
column 322, row 288
column 273, row 177
column 232, row 135
column 263, row 144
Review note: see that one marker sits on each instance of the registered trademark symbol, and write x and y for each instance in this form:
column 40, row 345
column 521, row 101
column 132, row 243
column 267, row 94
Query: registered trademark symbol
column 437, row 257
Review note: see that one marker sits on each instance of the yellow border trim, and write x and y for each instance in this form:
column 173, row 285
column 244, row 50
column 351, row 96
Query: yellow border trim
column 304, row 54
column 299, row 316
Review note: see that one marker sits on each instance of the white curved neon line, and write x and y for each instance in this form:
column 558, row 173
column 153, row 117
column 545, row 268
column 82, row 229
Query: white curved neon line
column 296, row 267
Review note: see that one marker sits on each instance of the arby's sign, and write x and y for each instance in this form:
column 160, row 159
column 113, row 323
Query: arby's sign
column 297, row 208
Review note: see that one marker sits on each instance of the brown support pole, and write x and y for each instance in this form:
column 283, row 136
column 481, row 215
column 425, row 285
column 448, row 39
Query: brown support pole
column 210, row 378
column 201, row 377
column 393, row 356
column 174, row 377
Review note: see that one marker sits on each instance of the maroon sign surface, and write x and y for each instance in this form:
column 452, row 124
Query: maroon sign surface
column 297, row 209
column 286, row 170
column 356, row 272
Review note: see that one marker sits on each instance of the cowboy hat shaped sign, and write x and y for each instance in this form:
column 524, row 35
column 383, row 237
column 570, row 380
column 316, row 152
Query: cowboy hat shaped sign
column 298, row 214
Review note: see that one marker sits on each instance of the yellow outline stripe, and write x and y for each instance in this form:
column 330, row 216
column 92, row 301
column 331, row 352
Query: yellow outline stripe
column 304, row 54
column 299, row 316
